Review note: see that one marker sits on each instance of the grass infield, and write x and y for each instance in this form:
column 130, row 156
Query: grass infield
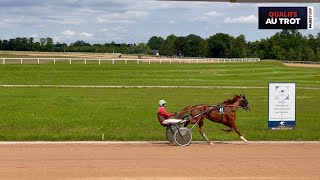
column 53, row 114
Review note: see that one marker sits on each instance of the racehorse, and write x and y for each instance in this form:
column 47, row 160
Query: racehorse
column 224, row 113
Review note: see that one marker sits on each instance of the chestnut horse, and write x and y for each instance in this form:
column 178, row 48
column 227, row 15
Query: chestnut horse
column 224, row 113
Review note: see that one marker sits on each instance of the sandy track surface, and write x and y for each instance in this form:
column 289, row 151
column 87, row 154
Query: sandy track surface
column 302, row 65
column 160, row 161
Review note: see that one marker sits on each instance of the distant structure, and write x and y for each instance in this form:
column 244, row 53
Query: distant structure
column 155, row 52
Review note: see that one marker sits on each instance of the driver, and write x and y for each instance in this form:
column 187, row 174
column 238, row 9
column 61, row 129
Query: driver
column 163, row 115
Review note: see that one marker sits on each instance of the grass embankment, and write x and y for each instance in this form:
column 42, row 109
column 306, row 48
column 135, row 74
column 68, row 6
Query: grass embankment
column 130, row 114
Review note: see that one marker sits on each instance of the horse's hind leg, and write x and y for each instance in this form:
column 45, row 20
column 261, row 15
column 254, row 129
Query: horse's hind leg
column 186, row 124
column 227, row 130
column 201, row 130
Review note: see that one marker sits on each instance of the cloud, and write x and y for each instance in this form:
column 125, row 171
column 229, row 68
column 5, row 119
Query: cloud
column 200, row 19
column 212, row 13
column 21, row 3
column 317, row 25
column 61, row 19
column 205, row 17
column 119, row 29
column 86, row 35
column 125, row 17
column 104, row 30
column 56, row 38
column 108, row 20
column 68, row 33
column 34, row 35
column 10, row 21
column 251, row 19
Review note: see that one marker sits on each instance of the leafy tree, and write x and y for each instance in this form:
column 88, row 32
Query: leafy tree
column 155, row 42
column 196, row 46
column 277, row 53
column 285, row 45
column 168, row 47
column 181, row 46
column 49, row 44
column 308, row 54
column 238, row 48
column 43, row 42
column 219, row 45
column 143, row 48
column 317, row 55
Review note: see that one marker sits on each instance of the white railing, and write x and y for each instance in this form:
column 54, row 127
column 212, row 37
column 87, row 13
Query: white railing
column 124, row 60
column 302, row 62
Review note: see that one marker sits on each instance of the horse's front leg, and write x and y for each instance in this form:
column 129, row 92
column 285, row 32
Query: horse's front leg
column 201, row 130
column 231, row 123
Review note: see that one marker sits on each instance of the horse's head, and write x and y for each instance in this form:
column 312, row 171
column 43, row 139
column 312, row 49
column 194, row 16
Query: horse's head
column 244, row 103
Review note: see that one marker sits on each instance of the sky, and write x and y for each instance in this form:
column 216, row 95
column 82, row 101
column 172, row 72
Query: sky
column 132, row 21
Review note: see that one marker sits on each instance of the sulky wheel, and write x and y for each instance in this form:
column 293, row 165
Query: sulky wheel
column 170, row 130
column 183, row 136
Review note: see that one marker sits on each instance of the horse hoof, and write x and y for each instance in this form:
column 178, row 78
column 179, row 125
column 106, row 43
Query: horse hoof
column 211, row 143
column 243, row 139
column 226, row 130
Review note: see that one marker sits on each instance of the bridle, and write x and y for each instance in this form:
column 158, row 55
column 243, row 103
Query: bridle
column 244, row 103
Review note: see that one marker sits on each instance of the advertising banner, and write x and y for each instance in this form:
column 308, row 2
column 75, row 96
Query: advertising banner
column 282, row 106
column 286, row 18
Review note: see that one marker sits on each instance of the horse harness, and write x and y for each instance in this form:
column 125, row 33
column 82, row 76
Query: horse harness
column 222, row 110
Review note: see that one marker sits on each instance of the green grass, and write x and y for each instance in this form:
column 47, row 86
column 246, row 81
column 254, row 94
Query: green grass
column 239, row 74
column 130, row 114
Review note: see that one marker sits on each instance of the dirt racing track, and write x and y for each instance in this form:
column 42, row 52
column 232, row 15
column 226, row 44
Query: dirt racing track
column 159, row 160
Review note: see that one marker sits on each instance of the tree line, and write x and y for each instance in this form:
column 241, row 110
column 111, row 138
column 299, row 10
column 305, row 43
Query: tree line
column 288, row 45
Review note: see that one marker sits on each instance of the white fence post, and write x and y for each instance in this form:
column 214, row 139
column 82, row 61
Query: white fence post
column 171, row 61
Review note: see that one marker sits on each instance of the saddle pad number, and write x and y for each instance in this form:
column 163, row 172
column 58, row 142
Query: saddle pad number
column 221, row 110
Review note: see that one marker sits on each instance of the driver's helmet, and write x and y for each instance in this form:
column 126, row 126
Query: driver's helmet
column 162, row 102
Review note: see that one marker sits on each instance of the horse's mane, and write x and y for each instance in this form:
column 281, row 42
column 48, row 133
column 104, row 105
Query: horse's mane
column 230, row 101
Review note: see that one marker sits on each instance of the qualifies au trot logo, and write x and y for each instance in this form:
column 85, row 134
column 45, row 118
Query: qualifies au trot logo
column 285, row 17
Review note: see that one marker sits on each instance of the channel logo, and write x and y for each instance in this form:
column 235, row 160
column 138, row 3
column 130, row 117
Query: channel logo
column 286, row 17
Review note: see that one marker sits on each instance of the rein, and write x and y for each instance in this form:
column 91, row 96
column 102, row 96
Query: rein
column 191, row 109
column 202, row 113
column 211, row 106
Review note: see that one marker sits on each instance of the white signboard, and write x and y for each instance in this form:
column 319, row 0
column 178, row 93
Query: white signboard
column 282, row 105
